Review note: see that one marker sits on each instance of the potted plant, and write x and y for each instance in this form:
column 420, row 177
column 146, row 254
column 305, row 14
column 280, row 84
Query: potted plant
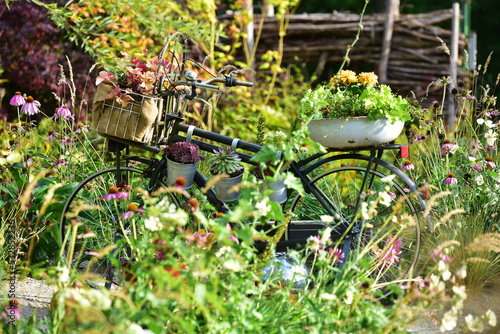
column 354, row 111
column 182, row 161
column 225, row 160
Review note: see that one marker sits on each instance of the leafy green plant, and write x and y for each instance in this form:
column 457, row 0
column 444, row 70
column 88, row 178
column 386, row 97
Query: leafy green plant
column 225, row 160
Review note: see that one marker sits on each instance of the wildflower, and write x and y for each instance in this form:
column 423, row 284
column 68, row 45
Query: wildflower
column 64, row 276
column 349, row 296
column 180, row 182
column 325, row 235
column 490, row 148
column 364, row 211
column 233, row 238
column 11, row 311
column 451, row 179
column 367, row 78
column 407, row 165
column 314, row 243
column 82, row 128
column 337, row 255
column 491, row 137
column 492, row 318
column 31, row 107
column 480, row 121
column 449, row 321
column 460, row 292
column 152, row 223
column 447, row 146
column 435, row 255
column 328, row 296
column 490, row 124
column 113, row 193
column 489, row 163
column 67, row 141
column 17, row 100
column 131, row 209
column 388, row 179
column 223, row 250
column 475, row 146
column 479, row 179
column 52, row 136
column 60, row 161
column 390, row 253
column 326, row 219
column 477, row 167
column 385, row 197
column 232, row 265
column 263, row 208
column 462, row 272
column 475, row 325
column 64, row 113
column 192, row 204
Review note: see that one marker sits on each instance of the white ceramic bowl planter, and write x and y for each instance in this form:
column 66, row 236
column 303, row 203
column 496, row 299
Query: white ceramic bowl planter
column 354, row 132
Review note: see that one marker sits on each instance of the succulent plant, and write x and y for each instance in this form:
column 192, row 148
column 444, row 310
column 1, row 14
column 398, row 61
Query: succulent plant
column 225, row 161
column 183, row 152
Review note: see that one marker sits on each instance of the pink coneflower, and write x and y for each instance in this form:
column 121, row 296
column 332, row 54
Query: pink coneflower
column 11, row 311
column 477, row 167
column 407, row 165
column 64, row 113
column 180, row 182
column 475, row 146
column 31, row 107
column 52, row 136
column 451, row 179
column 390, row 253
column 447, row 146
column 82, row 128
column 17, row 100
column 113, row 193
column 490, row 148
column 67, row 141
column 489, row 162
column 337, row 255
column 131, row 209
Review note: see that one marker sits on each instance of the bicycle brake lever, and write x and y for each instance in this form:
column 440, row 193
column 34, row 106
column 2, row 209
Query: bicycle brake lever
column 199, row 99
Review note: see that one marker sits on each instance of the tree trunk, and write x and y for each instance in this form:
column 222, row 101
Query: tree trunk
column 392, row 12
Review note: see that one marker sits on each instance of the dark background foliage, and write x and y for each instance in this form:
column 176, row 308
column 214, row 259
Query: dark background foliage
column 31, row 47
column 31, row 50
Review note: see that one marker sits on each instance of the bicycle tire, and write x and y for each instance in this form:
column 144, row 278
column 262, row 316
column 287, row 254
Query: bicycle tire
column 100, row 219
column 341, row 195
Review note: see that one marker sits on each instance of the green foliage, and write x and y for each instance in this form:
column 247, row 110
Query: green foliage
column 225, row 161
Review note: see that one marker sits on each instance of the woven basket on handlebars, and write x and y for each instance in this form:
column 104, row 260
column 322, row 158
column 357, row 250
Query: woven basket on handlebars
column 134, row 121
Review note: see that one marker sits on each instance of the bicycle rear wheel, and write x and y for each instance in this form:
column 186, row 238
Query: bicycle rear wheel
column 98, row 220
column 343, row 190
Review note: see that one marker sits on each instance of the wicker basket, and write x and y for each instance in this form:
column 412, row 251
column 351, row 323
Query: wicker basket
column 134, row 121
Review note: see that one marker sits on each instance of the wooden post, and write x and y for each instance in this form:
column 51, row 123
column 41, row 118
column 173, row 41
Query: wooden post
column 249, row 29
column 392, row 11
column 450, row 111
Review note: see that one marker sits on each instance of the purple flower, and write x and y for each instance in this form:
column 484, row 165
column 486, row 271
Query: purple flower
column 113, row 193
column 337, row 255
column 11, row 312
column 390, row 253
column 131, row 209
column 64, row 113
column 17, row 100
column 489, row 163
column 436, row 256
column 451, row 179
column 67, row 141
column 490, row 148
column 52, row 136
column 475, row 146
column 233, row 238
column 31, row 107
column 82, row 128
column 60, row 161
column 477, row 167
column 407, row 165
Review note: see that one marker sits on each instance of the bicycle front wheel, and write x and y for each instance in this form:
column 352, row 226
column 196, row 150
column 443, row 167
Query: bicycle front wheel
column 99, row 222
column 342, row 190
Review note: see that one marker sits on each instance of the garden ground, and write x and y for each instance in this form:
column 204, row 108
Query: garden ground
column 34, row 295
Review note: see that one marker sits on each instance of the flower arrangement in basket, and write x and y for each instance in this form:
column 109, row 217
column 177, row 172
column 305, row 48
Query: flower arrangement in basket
column 182, row 162
column 125, row 104
column 358, row 99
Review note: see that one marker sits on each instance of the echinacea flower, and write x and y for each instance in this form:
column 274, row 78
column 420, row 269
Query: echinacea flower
column 447, row 146
column 389, row 254
column 82, row 128
column 17, row 100
column 113, row 193
column 451, row 179
column 131, row 209
column 477, row 167
column 64, row 113
column 407, row 165
column 31, row 107
column 475, row 146
column 52, row 136
column 180, row 182
column 337, row 255
column 489, row 162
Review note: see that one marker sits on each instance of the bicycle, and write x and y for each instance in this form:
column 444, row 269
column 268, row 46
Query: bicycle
column 336, row 183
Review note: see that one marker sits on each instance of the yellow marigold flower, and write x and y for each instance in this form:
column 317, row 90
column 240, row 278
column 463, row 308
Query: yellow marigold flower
column 345, row 78
column 367, row 78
